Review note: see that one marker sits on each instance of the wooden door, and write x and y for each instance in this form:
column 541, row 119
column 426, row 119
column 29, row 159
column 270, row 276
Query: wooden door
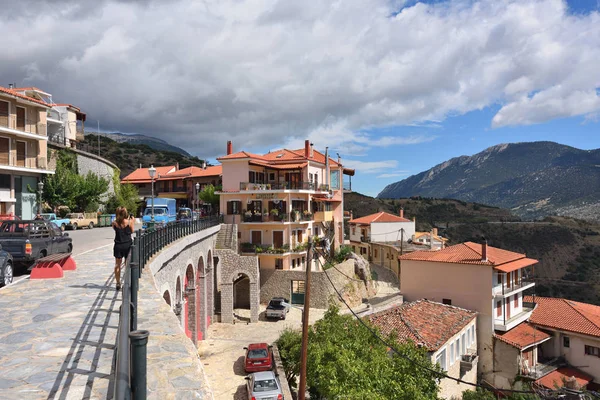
column 21, row 154
column 4, row 150
column 4, row 114
column 299, row 236
column 256, row 237
column 278, row 239
column 21, row 118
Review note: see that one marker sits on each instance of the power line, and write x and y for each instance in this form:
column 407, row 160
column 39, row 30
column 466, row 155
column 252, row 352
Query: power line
column 389, row 345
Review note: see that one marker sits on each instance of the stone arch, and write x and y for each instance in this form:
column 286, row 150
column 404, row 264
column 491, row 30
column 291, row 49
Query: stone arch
column 233, row 269
column 178, row 298
column 241, row 292
column 189, row 304
column 167, row 297
column 201, row 302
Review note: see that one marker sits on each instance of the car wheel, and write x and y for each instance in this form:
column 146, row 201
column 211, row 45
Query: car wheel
column 74, row 226
column 7, row 275
column 63, row 227
column 70, row 248
column 91, row 225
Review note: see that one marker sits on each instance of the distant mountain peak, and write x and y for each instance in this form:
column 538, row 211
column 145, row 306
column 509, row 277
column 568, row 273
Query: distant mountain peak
column 138, row 138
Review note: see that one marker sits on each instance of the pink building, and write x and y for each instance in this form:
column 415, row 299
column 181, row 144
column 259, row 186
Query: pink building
column 281, row 198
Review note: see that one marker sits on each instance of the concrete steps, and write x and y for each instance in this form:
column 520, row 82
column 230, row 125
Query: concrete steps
column 227, row 237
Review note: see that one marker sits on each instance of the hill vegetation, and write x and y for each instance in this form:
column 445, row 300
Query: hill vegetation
column 128, row 157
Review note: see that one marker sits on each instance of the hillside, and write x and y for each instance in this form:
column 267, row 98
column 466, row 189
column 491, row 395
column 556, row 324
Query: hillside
column 129, row 157
column 428, row 212
column 533, row 179
column 152, row 142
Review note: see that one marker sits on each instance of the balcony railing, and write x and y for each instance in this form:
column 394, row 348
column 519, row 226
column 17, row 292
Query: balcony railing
column 365, row 238
column 271, row 249
column 250, row 217
column 505, row 325
column 30, row 125
column 503, row 290
column 323, row 216
column 468, row 362
column 283, row 186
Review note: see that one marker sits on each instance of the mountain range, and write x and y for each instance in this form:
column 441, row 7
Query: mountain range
column 533, row 179
column 152, row 142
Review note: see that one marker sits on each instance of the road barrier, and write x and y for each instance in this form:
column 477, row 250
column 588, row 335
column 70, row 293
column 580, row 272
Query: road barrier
column 130, row 369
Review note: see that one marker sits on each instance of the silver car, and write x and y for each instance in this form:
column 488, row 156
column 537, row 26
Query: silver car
column 263, row 386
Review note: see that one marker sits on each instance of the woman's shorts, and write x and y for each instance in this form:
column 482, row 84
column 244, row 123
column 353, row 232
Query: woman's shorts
column 121, row 250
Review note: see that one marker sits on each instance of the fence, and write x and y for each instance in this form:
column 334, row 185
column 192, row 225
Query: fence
column 130, row 369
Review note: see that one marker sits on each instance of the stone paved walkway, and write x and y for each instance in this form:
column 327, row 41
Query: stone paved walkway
column 57, row 336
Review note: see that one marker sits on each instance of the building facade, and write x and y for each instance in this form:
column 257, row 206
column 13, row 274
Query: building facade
column 477, row 277
column 279, row 199
column 448, row 333
column 23, row 152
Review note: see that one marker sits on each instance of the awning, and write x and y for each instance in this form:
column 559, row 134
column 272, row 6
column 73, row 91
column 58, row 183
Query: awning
column 515, row 265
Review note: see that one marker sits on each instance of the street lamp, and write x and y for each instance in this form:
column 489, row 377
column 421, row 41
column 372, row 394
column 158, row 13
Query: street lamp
column 197, row 200
column 40, row 190
column 152, row 172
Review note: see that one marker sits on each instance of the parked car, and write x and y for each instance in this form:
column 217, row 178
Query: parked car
column 79, row 220
column 278, row 308
column 28, row 240
column 258, row 357
column 184, row 214
column 263, row 386
column 60, row 222
column 6, row 268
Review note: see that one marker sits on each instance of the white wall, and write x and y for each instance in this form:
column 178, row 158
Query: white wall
column 355, row 237
column 575, row 353
column 390, row 231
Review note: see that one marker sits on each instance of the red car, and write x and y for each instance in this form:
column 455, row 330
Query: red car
column 258, row 357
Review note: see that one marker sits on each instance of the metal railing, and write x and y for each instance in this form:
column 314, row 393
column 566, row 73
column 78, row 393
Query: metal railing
column 284, row 186
column 130, row 368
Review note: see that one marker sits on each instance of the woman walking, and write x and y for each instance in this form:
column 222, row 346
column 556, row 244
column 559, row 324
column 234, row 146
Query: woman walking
column 123, row 226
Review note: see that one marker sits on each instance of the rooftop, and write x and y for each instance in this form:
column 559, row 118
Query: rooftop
column 423, row 322
column 282, row 156
column 14, row 93
column 559, row 376
column 471, row 253
column 522, row 336
column 142, row 175
column 566, row 315
column 379, row 217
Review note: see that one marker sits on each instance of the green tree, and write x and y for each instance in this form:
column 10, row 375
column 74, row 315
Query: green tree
column 346, row 361
column 90, row 188
column 126, row 195
column 208, row 195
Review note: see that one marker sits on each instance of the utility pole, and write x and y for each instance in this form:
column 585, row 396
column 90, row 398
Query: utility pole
column 98, row 134
column 304, row 354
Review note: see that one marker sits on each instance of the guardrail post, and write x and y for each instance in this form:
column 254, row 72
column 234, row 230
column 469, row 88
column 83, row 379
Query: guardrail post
column 135, row 285
column 139, row 342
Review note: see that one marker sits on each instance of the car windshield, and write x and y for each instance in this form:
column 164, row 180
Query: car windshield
column 157, row 211
column 185, row 213
column 265, row 386
column 47, row 217
column 257, row 353
column 276, row 304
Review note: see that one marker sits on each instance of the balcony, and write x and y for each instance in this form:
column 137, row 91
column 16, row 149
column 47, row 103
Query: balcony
column 506, row 325
column 468, row 362
column 247, row 186
column 250, row 217
column 269, row 249
column 365, row 238
column 30, row 128
column 11, row 162
column 323, row 216
column 543, row 367
column 53, row 117
column 504, row 291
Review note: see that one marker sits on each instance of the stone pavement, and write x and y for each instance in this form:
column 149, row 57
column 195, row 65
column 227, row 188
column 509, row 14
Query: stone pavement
column 57, row 337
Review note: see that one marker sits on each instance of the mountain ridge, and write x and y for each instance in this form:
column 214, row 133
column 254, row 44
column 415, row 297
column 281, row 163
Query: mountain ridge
column 138, row 138
column 527, row 177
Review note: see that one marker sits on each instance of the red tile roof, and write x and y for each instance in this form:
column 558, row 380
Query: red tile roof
column 279, row 166
column 566, row 315
column 470, row 253
column 141, row 175
column 556, row 378
column 282, row 156
column 240, row 154
column 195, row 172
column 522, row 336
column 423, row 322
column 379, row 217
column 14, row 93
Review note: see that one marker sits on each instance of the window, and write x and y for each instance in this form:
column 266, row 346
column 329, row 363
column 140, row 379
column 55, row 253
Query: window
column 303, row 261
column 234, row 207
column 592, row 351
column 452, row 354
column 335, row 179
column 4, row 181
column 463, row 344
column 271, row 176
column 20, row 118
column 472, row 334
column 566, row 341
column 447, row 301
column 516, row 302
column 457, row 348
column 375, row 252
column 469, row 337
column 440, row 359
column 294, row 263
column 256, row 177
column 4, row 149
column 353, row 230
column 498, row 309
column 499, row 277
column 316, row 231
column 278, row 263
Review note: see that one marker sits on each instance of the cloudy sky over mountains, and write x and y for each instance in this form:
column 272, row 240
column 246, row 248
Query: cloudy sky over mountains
column 393, row 86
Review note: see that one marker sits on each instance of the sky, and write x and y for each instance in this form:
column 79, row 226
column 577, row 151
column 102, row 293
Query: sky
column 394, row 86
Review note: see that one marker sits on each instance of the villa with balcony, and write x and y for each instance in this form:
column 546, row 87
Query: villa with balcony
column 279, row 199
column 477, row 277
column 23, row 150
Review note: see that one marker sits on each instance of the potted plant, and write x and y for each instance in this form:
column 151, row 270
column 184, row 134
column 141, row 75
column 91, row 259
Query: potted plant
column 307, row 215
column 265, row 214
column 275, row 214
column 295, row 215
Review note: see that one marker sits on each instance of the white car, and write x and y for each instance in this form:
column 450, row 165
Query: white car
column 263, row 386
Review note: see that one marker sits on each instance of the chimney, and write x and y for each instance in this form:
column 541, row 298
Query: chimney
column 307, row 148
column 229, row 147
column 484, row 251
column 401, row 212
column 311, row 149
column 11, row 86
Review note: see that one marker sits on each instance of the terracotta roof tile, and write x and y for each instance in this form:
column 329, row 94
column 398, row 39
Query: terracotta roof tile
column 196, row 172
column 423, row 322
column 14, row 93
column 281, row 156
column 557, row 378
column 470, row 253
column 436, row 237
column 566, row 315
column 141, row 175
column 379, row 217
column 522, row 336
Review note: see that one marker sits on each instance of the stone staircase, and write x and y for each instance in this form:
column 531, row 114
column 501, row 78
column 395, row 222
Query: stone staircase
column 227, row 237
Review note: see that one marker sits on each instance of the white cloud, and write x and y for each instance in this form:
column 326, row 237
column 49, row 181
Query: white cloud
column 393, row 174
column 268, row 72
column 371, row 167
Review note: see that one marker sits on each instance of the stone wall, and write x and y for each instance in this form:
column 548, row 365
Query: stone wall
column 278, row 283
